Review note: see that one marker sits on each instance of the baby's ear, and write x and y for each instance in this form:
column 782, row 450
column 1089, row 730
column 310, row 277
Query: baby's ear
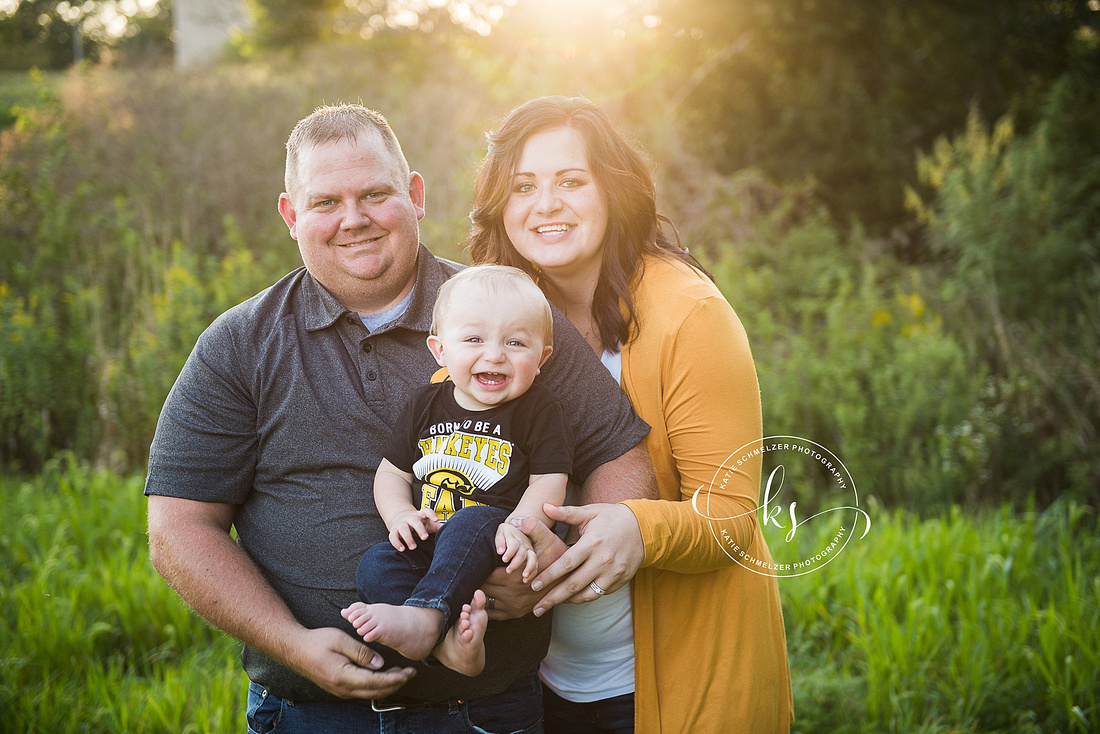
column 546, row 352
column 435, row 346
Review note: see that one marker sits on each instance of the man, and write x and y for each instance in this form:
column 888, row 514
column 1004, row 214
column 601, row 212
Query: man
column 274, row 428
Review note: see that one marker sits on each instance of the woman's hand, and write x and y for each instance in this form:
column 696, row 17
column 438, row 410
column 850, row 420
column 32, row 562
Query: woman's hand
column 608, row 553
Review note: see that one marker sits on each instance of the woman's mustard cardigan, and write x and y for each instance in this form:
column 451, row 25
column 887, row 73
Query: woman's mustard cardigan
column 710, row 649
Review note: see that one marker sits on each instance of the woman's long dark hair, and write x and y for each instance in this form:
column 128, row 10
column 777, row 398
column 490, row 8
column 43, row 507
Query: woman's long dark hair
column 625, row 182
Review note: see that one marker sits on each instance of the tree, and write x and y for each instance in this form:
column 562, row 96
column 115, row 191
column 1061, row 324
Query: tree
column 292, row 23
column 34, row 34
column 846, row 90
column 53, row 34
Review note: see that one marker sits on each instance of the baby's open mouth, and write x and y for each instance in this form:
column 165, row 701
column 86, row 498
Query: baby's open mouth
column 491, row 378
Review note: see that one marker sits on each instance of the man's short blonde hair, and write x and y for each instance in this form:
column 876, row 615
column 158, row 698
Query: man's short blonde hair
column 333, row 123
column 497, row 278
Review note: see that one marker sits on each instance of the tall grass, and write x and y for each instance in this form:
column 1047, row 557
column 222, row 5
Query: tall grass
column 92, row 639
column 963, row 623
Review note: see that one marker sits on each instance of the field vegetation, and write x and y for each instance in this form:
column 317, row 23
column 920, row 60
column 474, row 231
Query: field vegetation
column 914, row 250
column 972, row 622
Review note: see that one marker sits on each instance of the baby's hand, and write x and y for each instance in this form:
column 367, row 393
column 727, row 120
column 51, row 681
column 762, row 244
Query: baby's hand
column 516, row 550
column 409, row 525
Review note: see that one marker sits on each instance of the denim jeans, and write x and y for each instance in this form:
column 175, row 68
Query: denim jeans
column 442, row 572
column 610, row 716
column 517, row 710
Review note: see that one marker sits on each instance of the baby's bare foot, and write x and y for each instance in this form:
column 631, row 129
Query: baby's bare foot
column 463, row 649
column 411, row 631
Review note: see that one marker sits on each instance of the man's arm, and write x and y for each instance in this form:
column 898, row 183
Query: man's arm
column 191, row 547
column 629, row 477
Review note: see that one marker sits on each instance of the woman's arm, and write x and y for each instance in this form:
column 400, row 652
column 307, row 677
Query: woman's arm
column 710, row 405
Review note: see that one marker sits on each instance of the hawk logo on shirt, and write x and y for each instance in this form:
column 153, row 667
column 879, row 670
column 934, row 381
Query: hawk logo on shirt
column 452, row 480
column 455, row 465
column 445, row 492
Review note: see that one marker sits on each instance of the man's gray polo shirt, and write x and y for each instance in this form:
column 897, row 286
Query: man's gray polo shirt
column 282, row 410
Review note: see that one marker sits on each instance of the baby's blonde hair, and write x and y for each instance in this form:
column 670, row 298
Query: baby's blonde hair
column 495, row 278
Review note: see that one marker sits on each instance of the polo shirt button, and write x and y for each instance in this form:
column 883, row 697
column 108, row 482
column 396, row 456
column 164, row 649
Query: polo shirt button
column 370, row 375
column 367, row 347
column 352, row 319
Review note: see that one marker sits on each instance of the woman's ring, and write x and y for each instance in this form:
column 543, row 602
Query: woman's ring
column 595, row 587
column 492, row 603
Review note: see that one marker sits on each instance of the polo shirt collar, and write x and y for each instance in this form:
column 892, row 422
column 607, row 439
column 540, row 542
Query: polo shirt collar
column 321, row 309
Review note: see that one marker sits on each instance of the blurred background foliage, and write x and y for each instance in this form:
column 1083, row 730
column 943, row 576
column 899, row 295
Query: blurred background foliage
column 902, row 202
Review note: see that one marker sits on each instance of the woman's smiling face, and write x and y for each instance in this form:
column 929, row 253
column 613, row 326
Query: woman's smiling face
column 556, row 216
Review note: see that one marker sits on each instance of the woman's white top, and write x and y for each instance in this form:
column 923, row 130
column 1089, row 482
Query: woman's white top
column 591, row 654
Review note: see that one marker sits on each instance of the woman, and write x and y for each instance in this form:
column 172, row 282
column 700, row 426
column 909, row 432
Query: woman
column 563, row 196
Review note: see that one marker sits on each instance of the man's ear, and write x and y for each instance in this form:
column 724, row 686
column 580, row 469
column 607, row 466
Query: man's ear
column 290, row 216
column 416, row 193
column 435, row 346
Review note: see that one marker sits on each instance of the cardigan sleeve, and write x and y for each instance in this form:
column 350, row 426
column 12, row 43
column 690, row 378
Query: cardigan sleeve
column 710, row 405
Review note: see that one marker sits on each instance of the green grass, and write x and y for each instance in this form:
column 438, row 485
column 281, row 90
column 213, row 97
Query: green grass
column 960, row 623
column 92, row 639
column 956, row 624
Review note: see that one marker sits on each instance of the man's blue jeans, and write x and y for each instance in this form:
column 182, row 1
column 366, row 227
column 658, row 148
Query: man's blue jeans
column 517, row 710
column 442, row 572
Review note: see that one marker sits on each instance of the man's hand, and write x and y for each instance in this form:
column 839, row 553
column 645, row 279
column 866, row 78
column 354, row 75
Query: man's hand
column 609, row 552
column 413, row 524
column 190, row 545
column 516, row 551
column 345, row 667
column 511, row 597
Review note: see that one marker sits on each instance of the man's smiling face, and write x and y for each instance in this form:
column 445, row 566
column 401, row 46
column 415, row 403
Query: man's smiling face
column 355, row 219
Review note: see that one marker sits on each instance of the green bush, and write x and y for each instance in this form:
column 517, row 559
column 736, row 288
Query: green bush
column 44, row 395
column 138, row 204
column 1014, row 220
column 851, row 354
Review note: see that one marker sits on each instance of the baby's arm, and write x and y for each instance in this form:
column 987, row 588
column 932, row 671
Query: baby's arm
column 393, row 498
column 513, row 546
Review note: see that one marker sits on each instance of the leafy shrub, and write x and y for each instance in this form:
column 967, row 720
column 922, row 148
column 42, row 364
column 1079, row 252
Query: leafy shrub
column 43, row 391
column 850, row 354
column 1014, row 220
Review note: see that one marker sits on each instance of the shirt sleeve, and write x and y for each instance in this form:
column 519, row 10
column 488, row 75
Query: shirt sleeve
column 549, row 439
column 711, row 407
column 598, row 412
column 401, row 447
column 205, row 444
